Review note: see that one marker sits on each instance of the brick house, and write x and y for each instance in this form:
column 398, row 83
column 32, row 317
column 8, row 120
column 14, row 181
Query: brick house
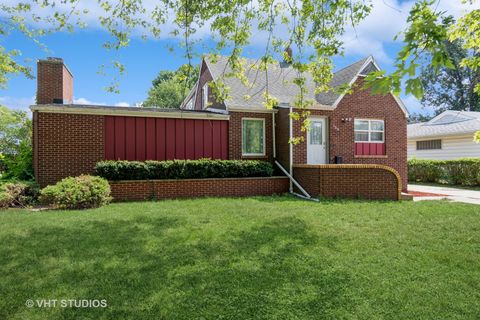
column 358, row 128
column 365, row 132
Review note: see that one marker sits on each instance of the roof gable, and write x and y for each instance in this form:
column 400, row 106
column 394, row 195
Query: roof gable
column 278, row 79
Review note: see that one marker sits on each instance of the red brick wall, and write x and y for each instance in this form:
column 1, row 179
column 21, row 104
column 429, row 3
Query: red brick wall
column 282, row 136
column 235, row 135
column 349, row 181
column 189, row 188
column 66, row 145
column 362, row 104
column 54, row 81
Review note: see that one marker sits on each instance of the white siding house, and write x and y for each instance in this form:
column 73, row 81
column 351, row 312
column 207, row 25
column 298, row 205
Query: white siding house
column 447, row 136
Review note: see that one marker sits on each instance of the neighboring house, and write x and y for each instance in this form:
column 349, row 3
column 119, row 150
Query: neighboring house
column 368, row 132
column 447, row 136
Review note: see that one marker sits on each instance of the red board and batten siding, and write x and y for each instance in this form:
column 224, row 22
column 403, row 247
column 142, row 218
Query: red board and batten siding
column 369, row 149
column 143, row 138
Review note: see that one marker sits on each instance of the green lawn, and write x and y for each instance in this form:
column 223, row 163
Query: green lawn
column 255, row 258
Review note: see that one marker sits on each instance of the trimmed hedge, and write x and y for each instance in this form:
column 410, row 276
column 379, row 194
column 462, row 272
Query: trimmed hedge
column 464, row 172
column 182, row 169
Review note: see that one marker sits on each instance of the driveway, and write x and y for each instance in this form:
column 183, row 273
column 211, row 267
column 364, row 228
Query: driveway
column 422, row 192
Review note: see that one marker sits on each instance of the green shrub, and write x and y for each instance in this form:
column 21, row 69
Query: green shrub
column 77, row 193
column 456, row 172
column 183, row 169
column 18, row 194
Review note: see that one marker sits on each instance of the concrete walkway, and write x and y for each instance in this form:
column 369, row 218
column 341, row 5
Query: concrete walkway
column 453, row 194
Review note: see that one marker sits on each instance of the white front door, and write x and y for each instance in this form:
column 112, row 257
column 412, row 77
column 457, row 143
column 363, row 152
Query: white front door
column 317, row 141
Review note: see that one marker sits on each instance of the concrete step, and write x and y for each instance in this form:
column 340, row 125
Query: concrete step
column 407, row 197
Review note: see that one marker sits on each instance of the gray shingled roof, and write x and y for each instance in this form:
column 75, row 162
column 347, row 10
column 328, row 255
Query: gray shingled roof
column 280, row 83
column 448, row 123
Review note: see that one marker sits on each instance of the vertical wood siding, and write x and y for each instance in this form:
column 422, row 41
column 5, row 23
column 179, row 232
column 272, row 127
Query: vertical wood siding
column 369, row 149
column 139, row 138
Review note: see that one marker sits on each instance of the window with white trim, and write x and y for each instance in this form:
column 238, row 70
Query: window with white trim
column 367, row 130
column 205, row 95
column 253, row 137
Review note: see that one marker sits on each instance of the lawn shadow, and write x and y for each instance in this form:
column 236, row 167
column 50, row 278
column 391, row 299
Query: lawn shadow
column 151, row 267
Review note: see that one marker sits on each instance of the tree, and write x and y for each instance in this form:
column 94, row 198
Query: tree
column 169, row 88
column 15, row 144
column 314, row 27
column 166, row 94
column 418, row 117
column 451, row 88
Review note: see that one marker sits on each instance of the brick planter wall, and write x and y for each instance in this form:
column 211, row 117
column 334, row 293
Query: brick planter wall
column 190, row 188
column 349, row 181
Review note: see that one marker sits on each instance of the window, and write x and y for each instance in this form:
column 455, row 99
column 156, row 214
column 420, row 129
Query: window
column 429, row 144
column 369, row 131
column 316, row 133
column 253, row 137
column 189, row 105
column 205, row 95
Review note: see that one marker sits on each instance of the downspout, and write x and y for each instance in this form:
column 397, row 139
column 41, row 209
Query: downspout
column 290, row 128
column 273, row 136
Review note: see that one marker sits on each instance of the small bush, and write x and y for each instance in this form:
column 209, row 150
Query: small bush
column 18, row 194
column 464, row 172
column 183, row 169
column 77, row 193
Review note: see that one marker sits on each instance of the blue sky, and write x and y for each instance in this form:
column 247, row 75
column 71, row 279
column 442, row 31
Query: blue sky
column 83, row 53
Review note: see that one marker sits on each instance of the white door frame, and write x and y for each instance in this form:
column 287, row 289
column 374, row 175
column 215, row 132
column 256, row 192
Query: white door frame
column 325, row 135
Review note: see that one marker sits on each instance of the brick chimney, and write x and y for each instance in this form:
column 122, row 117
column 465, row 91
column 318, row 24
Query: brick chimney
column 54, row 82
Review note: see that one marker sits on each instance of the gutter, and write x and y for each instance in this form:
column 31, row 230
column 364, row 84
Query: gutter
column 128, row 111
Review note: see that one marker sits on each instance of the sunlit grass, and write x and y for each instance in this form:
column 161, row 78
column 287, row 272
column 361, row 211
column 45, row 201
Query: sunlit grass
column 254, row 258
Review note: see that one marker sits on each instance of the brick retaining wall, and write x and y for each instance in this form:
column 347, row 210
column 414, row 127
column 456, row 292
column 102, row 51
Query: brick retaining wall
column 349, row 181
column 190, row 188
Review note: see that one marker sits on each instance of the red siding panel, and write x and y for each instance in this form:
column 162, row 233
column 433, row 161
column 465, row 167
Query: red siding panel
column 161, row 139
column 189, row 139
column 170, row 139
column 150, row 139
column 179, row 139
column 199, row 139
column 207, row 138
column 216, row 140
column 370, row 149
column 119, row 138
column 130, row 139
column 141, row 138
column 109, row 138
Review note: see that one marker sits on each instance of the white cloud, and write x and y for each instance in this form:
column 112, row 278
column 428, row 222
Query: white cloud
column 387, row 19
column 18, row 103
column 122, row 104
column 87, row 102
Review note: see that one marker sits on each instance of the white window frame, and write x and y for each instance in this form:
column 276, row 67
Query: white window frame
column 369, row 131
column 205, row 95
column 189, row 105
column 254, row 154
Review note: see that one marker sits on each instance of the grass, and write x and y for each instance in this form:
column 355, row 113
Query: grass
column 254, row 258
